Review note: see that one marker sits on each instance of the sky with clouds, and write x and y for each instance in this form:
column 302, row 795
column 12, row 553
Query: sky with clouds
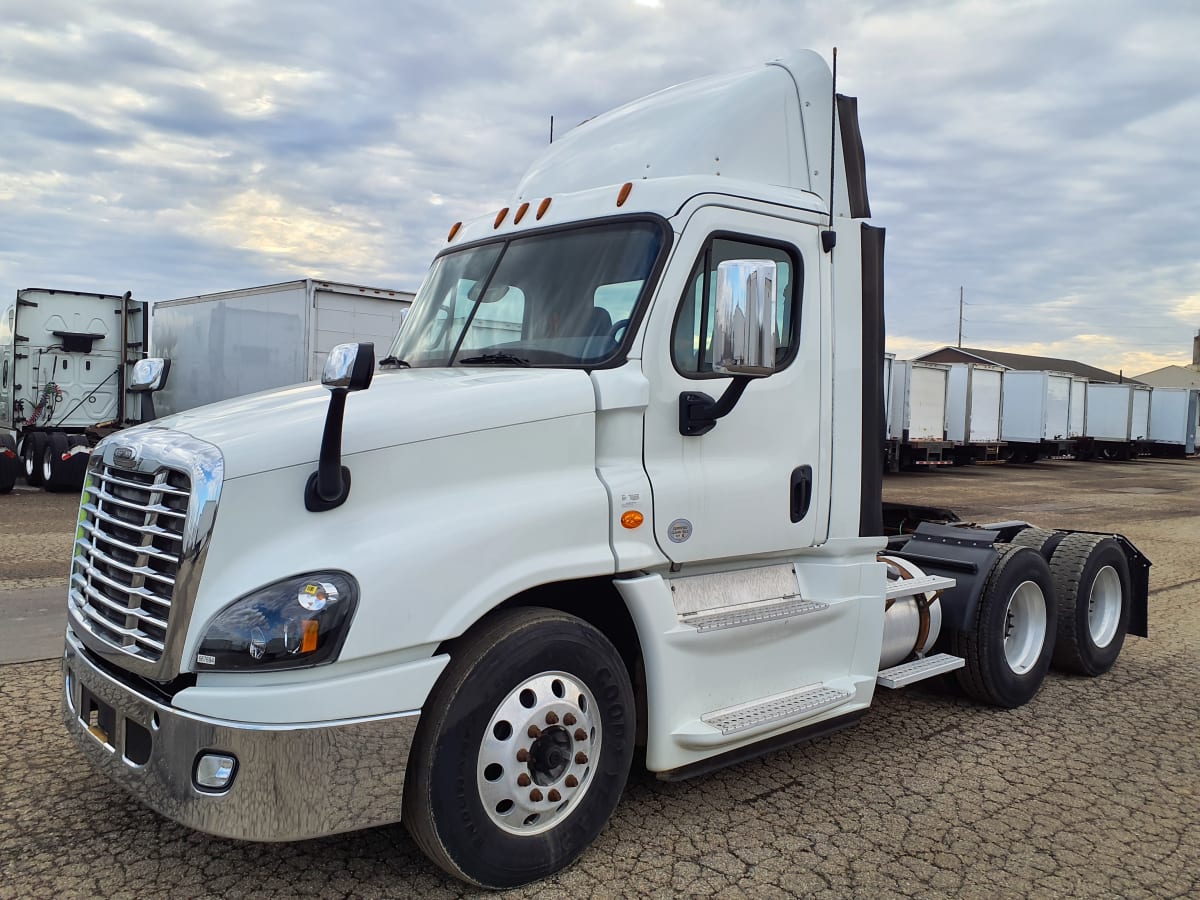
column 1044, row 156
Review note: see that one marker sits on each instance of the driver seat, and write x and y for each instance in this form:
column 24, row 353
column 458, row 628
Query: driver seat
column 598, row 326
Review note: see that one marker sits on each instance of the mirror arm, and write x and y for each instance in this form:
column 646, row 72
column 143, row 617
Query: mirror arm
column 329, row 486
column 698, row 412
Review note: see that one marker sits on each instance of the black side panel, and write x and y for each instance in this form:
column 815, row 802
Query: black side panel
column 852, row 153
column 964, row 554
column 870, row 515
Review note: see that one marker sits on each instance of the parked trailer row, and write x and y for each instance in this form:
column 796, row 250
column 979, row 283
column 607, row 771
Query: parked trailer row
column 942, row 414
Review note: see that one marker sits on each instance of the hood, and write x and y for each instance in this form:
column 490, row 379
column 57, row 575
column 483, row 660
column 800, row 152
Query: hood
column 283, row 427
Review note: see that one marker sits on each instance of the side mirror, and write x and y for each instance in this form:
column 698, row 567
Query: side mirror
column 349, row 367
column 744, row 335
column 743, row 342
column 149, row 375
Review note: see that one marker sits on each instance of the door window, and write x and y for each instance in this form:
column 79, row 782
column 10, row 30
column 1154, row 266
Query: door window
column 692, row 336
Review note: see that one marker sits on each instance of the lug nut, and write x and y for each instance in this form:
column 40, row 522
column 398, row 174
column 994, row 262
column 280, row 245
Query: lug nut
column 580, row 734
column 569, row 719
column 523, row 779
column 552, row 718
column 571, row 781
column 535, row 795
column 554, row 796
column 522, row 755
column 534, row 731
column 580, row 758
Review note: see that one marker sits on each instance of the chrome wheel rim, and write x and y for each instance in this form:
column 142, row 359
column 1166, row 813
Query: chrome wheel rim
column 1024, row 627
column 47, row 464
column 537, row 754
column 1104, row 606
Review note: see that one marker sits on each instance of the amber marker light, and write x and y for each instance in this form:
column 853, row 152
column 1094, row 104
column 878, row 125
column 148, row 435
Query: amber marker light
column 453, row 231
column 521, row 210
column 624, row 193
column 309, row 633
column 632, row 519
column 542, row 207
column 500, row 217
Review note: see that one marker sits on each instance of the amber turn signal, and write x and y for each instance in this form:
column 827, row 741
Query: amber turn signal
column 632, row 519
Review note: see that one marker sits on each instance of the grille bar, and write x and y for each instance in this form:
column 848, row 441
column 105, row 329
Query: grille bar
column 134, row 635
column 91, row 529
column 113, row 520
column 144, row 571
column 94, row 596
column 153, row 508
column 156, row 488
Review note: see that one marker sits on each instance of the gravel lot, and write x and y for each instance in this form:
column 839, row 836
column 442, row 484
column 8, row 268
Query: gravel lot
column 1091, row 790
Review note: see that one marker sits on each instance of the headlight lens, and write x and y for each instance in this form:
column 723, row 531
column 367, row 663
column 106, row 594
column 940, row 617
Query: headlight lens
column 292, row 624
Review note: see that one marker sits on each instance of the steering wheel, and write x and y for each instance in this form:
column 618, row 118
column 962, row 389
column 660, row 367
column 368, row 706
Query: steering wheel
column 618, row 327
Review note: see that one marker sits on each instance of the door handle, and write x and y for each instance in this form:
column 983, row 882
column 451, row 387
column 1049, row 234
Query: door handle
column 801, row 492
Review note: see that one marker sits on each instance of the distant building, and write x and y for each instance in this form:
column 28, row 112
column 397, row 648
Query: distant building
column 1022, row 363
column 1177, row 376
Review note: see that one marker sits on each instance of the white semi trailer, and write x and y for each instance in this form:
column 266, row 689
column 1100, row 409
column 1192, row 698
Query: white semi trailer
column 917, row 415
column 1035, row 420
column 1118, row 420
column 646, row 512
column 65, row 364
column 232, row 343
column 973, row 402
column 1174, row 420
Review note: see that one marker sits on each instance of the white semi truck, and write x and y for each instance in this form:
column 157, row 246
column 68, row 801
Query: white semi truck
column 639, row 417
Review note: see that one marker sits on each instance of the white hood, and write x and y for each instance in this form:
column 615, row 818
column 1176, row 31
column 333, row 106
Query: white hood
column 283, row 427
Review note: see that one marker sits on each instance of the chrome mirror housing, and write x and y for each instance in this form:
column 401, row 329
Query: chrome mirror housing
column 149, row 375
column 744, row 335
column 349, row 367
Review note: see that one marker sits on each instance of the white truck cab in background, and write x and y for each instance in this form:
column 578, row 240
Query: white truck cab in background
column 618, row 483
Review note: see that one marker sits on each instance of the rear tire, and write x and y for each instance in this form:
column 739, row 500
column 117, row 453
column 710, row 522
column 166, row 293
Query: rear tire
column 10, row 466
column 56, row 472
column 523, row 751
column 33, row 447
column 1008, row 646
column 1034, row 539
column 1092, row 583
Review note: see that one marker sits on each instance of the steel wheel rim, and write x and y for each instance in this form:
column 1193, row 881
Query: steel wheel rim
column 30, row 464
column 537, row 755
column 1024, row 627
column 1104, row 606
column 47, row 464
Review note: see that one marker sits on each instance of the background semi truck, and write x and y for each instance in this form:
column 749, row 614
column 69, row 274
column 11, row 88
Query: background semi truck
column 639, row 412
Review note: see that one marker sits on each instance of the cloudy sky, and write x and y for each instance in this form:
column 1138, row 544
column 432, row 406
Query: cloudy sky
column 1044, row 156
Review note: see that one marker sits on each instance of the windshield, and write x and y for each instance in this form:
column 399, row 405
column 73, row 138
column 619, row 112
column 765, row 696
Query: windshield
column 561, row 298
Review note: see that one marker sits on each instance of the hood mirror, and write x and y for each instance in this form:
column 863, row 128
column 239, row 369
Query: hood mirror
column 349, row 367
column 148, row 376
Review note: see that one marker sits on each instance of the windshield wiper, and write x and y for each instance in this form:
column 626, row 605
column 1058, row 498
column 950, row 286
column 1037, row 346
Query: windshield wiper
column 393, row 362
column 494, row 359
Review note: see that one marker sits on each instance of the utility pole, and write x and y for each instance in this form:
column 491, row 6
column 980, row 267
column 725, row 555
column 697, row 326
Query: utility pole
column 960, row 317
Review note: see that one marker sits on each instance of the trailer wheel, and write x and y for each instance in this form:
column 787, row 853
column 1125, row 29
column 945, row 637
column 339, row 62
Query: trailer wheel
column 524, row 749
column 1008, row 647
column 56, row 472
column 1091, row 580
column 10, row 466
column 33, row 447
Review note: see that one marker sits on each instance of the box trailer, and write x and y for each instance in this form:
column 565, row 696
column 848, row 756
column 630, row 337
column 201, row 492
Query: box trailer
column 65, row 360
column 973, row 398
column 1035, row 415
column 230, row 343
column 1174, row 418
column 1139, row 416
column 917, row 416
column 1118, row 417
column 1077, row 419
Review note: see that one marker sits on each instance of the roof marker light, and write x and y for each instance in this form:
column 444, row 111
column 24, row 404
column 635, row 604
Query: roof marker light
column 500, row 217
column 545, row 205
column 521, row 210
column 624, row 194
column 453, row 231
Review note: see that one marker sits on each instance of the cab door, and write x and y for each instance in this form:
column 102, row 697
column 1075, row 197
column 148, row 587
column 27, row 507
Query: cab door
column 756, row 483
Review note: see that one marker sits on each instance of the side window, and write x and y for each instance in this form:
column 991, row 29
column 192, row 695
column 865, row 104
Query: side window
column 692, row 337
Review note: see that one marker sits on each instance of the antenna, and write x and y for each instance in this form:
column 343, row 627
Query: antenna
column 832, row 136
column 552, row 129
column 960, row 308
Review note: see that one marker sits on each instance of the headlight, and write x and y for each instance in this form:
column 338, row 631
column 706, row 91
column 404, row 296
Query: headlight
column 292, row 624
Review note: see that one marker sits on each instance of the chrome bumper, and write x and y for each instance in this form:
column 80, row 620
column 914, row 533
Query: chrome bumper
column 291, row 782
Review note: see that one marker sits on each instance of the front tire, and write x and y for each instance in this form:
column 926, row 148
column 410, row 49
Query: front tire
column 1091, row 579
column 1007, row 647
column 524, row 751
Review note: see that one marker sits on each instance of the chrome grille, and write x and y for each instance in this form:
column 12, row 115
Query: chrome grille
column 128, row 549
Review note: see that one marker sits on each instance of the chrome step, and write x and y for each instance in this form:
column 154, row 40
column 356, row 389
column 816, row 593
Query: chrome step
column 906, row 587
column 754, row 615
column 919, row 669
column 791, row 705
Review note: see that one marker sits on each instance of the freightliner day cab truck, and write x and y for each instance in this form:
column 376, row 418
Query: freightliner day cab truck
column 617, row 485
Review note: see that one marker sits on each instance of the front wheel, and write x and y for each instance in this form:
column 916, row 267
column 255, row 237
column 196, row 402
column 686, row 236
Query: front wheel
column 524, row 751
column 1007, row 647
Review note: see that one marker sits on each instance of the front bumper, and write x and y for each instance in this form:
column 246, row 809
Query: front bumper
column 291, row 782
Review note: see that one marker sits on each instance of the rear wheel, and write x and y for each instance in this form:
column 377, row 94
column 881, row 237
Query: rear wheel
column 1007, row 647
column 10, row 463
column 1091, row 580
column 524, row 751
column 33, row 448
column 56, row 472
column 1034, row 539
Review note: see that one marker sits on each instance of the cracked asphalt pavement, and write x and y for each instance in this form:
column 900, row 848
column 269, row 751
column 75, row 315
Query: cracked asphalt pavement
column 1091, row 790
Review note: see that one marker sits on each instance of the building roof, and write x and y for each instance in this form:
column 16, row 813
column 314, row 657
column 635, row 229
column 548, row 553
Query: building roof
column 1173, row 377
column 1023, row 363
